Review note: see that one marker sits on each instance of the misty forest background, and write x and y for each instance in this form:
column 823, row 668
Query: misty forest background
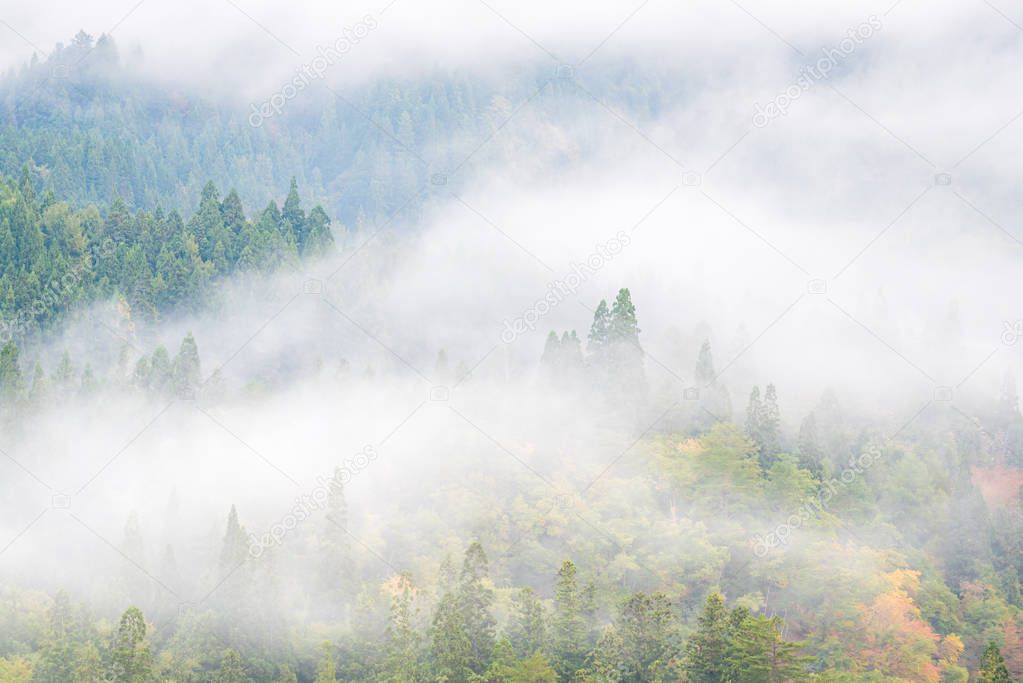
column 674, row 564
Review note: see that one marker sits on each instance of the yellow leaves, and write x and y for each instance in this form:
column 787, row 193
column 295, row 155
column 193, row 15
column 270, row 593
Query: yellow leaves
column 950, row 649
column 906, row 580
column 15, row 670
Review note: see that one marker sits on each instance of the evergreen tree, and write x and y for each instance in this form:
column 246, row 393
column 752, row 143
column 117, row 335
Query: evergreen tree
column 706, row 650
column 646, row 626
column 992, row 666
column 568, row 626
column 550, row 361
column 599, row 339
column 235, row 548
column 401, row 652
column 230, row 670
column 626, row 354
column 450, row 647
column 704, row 373
column 131, row 660
column 294, row 217
column 527, row 631
column 319, row 239
column 810, row 456
column 758, row 654
column 187, row 369
column 475, row 599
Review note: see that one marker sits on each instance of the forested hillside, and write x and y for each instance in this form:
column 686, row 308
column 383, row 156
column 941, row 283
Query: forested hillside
column 363, row 391
column 56, row 258
column 94, row 131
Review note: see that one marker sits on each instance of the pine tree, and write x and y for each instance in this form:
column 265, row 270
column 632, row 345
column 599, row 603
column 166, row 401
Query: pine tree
column 230, row 670
column 234, row 550
column 571, row 352
column 624, row 328
column 707, row 649
column 606, row 662
column 401, row 651
column 758, row 654
column 992, row 666
column 319, row 239
column 160, row 376
column 451, row 649
column 646, row 625
column 527, row 631
column 715, row 404
column 475, row 599
column 568, row 626
column 293, row 216
column 39, row 392
column 187, row 369
column 64, row 375
column 57, row 660
column 810, row 456
column 704, row 373
column 131, row 660
column 550, row 361
column 626, row 354
column 599, row 338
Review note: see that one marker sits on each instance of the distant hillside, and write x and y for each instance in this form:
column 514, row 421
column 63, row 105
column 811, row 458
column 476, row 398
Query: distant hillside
column 91, row 129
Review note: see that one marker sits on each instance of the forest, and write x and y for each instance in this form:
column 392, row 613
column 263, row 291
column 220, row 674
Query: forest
column 261, row 419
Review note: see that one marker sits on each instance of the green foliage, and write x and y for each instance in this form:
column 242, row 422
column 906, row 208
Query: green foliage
column 992, row 666
column 568, row 625
column 54, row 259
column 131, row 660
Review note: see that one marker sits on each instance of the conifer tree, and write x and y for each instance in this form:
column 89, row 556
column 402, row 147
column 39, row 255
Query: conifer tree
column 706, row 650
column 475, row 599
column 527, row 631
column 187, row 369
column 992, row 666
column 234, row 549
column 450, row 647
column 599, row 338
column 646, row 625
column 131, row 660
column 568, row 626
column 230, row 670
column 810, row 456
column 551, row 358
column 401, row 651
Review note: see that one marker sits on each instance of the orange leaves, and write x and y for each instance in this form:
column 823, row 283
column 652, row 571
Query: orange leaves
column 896, row 640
